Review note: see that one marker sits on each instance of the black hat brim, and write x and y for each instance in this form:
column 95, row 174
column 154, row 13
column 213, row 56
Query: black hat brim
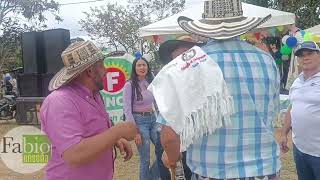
column 169, row 46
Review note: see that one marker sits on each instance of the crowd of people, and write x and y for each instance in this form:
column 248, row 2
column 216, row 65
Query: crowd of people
column 83, row 139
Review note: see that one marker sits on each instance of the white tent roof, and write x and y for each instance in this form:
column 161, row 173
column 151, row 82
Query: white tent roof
column 194, row 11
column 314, row 30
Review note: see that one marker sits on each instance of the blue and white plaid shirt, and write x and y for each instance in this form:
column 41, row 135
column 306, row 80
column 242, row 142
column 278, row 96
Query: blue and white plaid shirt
column 247, row 148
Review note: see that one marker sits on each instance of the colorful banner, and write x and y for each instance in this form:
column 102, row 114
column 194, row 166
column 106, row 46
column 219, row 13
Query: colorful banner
column 118, row 67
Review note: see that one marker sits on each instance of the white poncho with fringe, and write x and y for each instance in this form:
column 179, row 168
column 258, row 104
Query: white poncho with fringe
column 192, row 96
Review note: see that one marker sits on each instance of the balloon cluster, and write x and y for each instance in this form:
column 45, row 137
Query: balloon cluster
column 290, row 42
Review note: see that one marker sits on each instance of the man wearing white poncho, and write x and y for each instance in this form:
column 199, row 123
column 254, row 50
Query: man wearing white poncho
column 192, row 85
column 221, row 102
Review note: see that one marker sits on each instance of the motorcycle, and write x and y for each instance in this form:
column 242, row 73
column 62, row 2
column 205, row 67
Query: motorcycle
column 8, row 97
column 8, row 107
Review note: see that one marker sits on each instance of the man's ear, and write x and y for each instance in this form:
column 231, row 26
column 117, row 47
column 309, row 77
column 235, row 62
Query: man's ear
column 89, row 71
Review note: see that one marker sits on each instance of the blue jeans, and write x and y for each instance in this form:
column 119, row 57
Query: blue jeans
column 150, row 131
column 308, row 167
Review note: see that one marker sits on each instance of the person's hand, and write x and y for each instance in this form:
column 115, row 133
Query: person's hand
column 138, row 139
column 284, row 144
column 166, row 162
column 125, row 149
column 127, row 130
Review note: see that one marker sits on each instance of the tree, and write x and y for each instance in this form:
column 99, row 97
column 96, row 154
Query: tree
column 29, row 9
column 306, row 11
column 160, row 9
column 116, row 25
column 11, row 13
column 10, row 48
column 262, row 3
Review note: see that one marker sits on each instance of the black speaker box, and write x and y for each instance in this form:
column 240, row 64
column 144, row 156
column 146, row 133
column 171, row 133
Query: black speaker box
column 28, row 110
column 41, row 51
column 32, row 52
column 45, row 80
column 29, row 85
column 54, row 42
column 34, row 85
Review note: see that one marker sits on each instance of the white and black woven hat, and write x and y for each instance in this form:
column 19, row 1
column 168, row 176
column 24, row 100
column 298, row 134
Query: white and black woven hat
column 78, row 57
column 222, row 19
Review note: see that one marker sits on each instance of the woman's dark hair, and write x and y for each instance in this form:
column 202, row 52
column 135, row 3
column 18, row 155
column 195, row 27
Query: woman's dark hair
column 135, row 81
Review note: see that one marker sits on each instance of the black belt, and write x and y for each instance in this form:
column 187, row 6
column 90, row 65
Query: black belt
column 144, row 113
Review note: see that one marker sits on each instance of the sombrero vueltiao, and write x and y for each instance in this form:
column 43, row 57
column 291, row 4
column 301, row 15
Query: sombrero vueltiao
column 222, row 19
column 78, row 57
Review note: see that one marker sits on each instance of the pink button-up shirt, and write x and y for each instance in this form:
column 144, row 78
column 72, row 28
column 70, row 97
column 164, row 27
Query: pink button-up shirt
column 69, row 115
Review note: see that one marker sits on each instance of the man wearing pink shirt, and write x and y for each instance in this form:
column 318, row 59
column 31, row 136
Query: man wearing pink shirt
column 74, row 118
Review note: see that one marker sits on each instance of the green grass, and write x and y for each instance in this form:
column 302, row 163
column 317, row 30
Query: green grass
column 130, row 170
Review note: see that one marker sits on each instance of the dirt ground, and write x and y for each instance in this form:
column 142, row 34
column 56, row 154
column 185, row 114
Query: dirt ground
column 129, row 170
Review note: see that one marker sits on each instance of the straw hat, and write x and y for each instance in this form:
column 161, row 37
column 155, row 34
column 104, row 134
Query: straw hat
column 222, row 19
column 78, row 57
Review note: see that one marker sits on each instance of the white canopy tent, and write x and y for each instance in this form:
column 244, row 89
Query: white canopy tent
column 194, row 11
column 314, row 30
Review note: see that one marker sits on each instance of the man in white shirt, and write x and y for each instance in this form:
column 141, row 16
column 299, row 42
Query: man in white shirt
column 303, row 116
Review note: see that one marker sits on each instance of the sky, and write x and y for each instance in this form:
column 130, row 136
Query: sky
column 73, row 13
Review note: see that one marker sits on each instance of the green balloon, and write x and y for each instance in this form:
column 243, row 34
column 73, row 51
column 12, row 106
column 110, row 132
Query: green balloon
column 285, row 50
column 278, row 61
column 307, row 37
